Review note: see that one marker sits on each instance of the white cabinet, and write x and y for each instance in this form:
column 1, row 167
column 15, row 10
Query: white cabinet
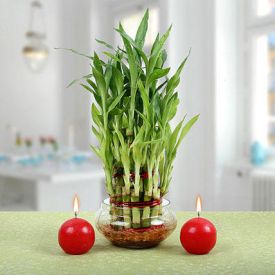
column 51, row 188
column 245, row 187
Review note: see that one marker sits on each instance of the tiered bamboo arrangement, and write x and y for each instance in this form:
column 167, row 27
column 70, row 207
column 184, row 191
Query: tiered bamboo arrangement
column 134, row 103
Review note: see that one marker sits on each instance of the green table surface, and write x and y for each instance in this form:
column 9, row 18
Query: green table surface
column 245, row 245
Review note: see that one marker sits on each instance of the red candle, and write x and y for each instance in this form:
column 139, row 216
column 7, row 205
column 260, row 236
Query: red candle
column 198, row 235
column 76, row 236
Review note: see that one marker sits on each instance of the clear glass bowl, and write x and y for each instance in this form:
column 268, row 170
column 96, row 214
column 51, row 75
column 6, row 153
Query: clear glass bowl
column 137, row 225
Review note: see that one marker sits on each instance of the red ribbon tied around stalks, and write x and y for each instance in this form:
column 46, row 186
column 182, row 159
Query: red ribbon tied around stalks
column 143, row 175
column 138, row 204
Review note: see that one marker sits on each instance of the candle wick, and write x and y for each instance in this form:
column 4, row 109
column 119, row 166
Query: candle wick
column 75, row 214
column 199, row 214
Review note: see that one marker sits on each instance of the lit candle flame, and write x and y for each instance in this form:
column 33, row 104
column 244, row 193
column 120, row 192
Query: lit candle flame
column 198, row 203
column 76, row 205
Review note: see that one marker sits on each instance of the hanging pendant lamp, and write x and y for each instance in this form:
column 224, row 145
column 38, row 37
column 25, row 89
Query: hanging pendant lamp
column 35, row 50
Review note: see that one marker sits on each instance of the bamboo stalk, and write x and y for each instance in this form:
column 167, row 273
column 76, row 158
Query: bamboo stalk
column 137, row 179
column 155, row 209
column 141, row 189
column 118, row 188
column 136, row 212
column 149, row 186
column 126, row 210
column 155, row 184
column 146, row 222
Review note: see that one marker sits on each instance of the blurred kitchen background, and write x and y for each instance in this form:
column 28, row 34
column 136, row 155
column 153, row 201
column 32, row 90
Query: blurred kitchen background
column 229, row 156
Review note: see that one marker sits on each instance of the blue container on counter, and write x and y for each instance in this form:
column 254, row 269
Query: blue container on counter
column 258, row 153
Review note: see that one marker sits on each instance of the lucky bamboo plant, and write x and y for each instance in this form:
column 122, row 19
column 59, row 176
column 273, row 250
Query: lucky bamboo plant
column 134, row 103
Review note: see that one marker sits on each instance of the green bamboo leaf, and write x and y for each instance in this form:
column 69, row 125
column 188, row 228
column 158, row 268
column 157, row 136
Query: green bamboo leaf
column 137, row 154
column 155, row 43
column 173, row 109
column 156, row 50
column 118, row 79
column 74, row 51
column 156, row 104
column 133, row 75
column 87, row 88
column 77, row 80
column 108, row 76
column 120, row 136
column 96, row 133
column 125, row 36
column 161, row 60
column 144, row 96
column 161, row 85
column 186, row 128
column 100, row 81
column 121, row 50
column 98, row 63
column 97, row 118
column 112, row 56
column 139, row 137
column 116, row 112
column 94, row 91
column 131, row 57
column 92, row 84
column 142, row 30
column 174, row 136
column 97, row 152
column 159, row 44
column 163, row 56
column 158, row 73
column 115, row 102
column 175, row 79
column 116, row 146
column 155, row 141
column 144, row 118
column 169, row 108
column 126, row 71
column 98, row 100
column 105, row 44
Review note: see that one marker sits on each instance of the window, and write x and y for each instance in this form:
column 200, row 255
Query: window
column 261, row 33
column 265, row 7
column 130, row 20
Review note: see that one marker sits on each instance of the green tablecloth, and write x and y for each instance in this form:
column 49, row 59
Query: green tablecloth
column 246, row 245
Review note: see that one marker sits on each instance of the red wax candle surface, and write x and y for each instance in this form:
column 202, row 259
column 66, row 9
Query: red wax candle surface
column 76, row 236
column 198, row 236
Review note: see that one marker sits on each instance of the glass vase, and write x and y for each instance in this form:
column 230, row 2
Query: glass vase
column 136, row 224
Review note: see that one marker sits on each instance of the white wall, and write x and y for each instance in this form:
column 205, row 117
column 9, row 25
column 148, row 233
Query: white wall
column 76, row 25
column 227, row 71
column 211, row 86
column 194, row 166
column 233, row 186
